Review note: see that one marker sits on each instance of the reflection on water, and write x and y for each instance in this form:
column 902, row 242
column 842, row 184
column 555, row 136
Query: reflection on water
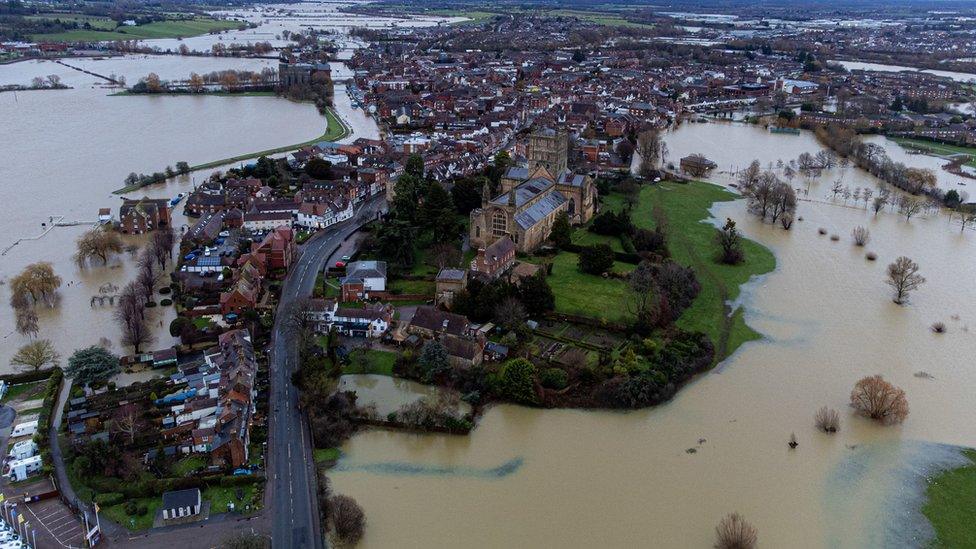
column 599, row 479
column 413, row 469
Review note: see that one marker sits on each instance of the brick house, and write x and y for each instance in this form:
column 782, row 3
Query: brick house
column 143, row 215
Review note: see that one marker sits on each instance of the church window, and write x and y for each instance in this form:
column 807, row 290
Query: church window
column 499, row 223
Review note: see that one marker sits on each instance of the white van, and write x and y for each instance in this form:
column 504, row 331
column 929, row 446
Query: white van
column 25, row 429
column 23, row 449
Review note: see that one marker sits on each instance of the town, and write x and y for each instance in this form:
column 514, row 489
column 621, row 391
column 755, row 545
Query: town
column 500, row 219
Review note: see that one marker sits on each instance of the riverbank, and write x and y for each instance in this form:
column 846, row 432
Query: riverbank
column 951, row 505
column 159, row 29
column 335, row 130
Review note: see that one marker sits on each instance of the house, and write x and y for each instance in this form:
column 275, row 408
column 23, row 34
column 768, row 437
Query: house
column 276, row 251
column 104, row 215
column 370, row 321
column 181, row 503
column 363, row 277
column 319, row 215
column 463, row 351
column 449, row 283
column 143, row 215
column 494, row 260
column 255, row 220
column 430, row 323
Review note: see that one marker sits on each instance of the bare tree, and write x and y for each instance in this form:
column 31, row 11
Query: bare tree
column 26, row 319
column 147, row 276
column 827, row 420
column 345, row 520
column 131, row 316
column 36, row 283
column 162, row 245
column 35, row 355
column 649, row 149
column 444, row 254
column 749, row 176
column 879, row 203
column 909, row 207
column 861, row 235
column 299, row 319
column 128, row 422
column 510, row 314
column 98, row 243
column 733, row 532
column 643, row 293
column 904, row 278
column 879, row 400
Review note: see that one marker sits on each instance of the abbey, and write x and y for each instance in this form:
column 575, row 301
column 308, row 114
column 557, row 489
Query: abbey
column 533, row 195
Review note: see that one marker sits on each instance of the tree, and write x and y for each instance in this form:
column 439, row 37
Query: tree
column 92, row 364
column 733, row 532
column 467, row 193
column 596, row 259
column 562, row 232
column 437, row 216
column 433, row 359
column 904, row 278
column 396, row 239
column 415, row 166
column 318, row 168
column 510, row 314
column 827, row 420
column 35, row 355
column 196, row 82
column 161, row 246
column 879, row 400
column 951, row 198
column 750, row 175
column 909, row 207
column 26, row 319
column 345, row 520
column 153, row 83
column 444, row 254
column 516, row 381
column 861, row 235
column 131, row 317
column 230, row 81
column 299, row 320
column 148, row 276
column 99, row 242
column 536, row 294
column 728, row 240
column 643, row 301
column 37, row 282
column 649, row 150
column 879, row 203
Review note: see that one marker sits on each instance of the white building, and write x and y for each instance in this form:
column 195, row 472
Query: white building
column 181, row 503
column 267, row 221
column 319, row 215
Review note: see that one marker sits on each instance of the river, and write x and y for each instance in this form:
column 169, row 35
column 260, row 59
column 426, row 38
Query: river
column 863, row 66
column 545, row 478
column 65, row 151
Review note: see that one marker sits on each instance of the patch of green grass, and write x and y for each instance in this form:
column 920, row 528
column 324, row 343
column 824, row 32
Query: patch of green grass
column 158, row 29
column 202, row 322
column 188, row 465
column 692, row 243
column 951, row 505
column 220, row 496
column 423, row 287
column 25, row 391
column 323, row 455
column 587, row 295
column 134, row 522
column 936, row 149
column 584, row 237
column 380, row 363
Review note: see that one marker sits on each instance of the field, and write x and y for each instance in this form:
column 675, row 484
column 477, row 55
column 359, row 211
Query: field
column 937, row 149
column 104, row 29
column 952, row 505
column 692, row 243
column 380, row 363
column 588, row 295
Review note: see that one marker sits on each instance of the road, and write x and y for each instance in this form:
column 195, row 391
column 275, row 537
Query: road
column 292, row 499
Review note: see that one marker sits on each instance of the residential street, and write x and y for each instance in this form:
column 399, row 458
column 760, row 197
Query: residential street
column 291, row 497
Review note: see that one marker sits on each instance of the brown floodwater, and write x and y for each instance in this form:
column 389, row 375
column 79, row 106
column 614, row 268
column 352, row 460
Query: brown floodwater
column 566, row 478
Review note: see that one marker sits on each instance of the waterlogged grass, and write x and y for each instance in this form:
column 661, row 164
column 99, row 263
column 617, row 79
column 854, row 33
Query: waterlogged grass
column 691, row 241
column 399, row 468
column 380, row 363
column 936, row 149
column 952, row 505
column 323, row 455
column 104, row 30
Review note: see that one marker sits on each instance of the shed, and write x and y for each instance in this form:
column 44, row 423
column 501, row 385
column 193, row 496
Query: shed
column 181, row 503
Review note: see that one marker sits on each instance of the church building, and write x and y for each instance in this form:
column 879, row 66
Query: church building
column 533, row 195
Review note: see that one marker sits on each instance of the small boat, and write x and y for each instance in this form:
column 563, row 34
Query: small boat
column 789, row 131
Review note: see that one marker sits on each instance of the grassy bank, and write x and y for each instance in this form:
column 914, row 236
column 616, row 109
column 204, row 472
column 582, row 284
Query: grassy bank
column 104, row 29
column 221, row 93
column 335, row 130
column 952, row 505
column 936, row 149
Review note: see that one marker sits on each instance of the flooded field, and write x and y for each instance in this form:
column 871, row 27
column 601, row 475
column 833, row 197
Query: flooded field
column 587, row 479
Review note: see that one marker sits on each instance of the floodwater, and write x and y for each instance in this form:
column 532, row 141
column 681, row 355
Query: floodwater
column 65, row 151
column 389, row 394
column 859, row 65
column 664, row 477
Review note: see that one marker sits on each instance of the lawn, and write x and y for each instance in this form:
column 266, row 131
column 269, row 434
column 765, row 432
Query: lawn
column 158, row 29
column 325, row 454
column 220, row 496
column 587, row 295
column 188, row 465
column 423, row 287
column 584, row 237
column 692, row 243
column 25, row 391
column 951, row 505
column 137, row 522
column 380, row 363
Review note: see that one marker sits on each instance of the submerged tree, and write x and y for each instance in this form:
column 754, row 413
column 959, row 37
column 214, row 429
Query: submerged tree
column 904, row 278
column 879, row 400
column 98, row 243
column 733, row 532
column 36, row 283
column 345, row 520
column 827, row 420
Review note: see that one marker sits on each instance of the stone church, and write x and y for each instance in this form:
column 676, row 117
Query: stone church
column 533, row 195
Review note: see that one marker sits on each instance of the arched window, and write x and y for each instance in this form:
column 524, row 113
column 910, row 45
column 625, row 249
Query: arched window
column 499, row 223
column 572, row 206
column 477, row 231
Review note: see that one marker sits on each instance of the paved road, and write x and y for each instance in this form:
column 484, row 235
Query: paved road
column 291, row 467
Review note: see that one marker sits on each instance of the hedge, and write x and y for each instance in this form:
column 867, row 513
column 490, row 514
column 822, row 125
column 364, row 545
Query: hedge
column 109, row 498
column 623, row 257
column 44, row 418
column 28, row 377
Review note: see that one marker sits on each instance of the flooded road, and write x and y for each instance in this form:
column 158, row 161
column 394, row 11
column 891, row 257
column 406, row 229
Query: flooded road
column 602, row 479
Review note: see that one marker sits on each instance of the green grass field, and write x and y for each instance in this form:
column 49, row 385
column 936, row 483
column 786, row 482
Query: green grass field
column 380, row 363
column 692, row 243
column 25, row 391
column 424, row 287
column 188, row 465
column 937, row 149
column 585, row 238
column 108, row 32
column 588, row 295
column 951, row 505
column 322, row 455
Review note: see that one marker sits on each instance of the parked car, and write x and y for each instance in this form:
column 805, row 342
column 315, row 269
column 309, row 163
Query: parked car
column 340, row 264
